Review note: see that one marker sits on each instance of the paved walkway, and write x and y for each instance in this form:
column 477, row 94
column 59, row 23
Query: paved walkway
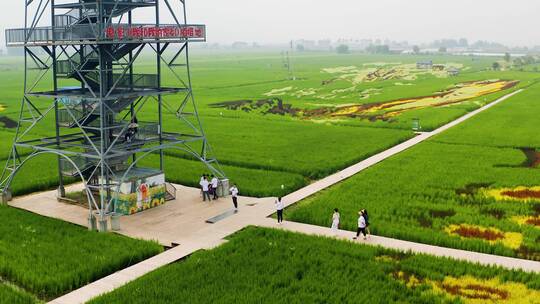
column 174, row 222
column 469, row 256
column 182, row 222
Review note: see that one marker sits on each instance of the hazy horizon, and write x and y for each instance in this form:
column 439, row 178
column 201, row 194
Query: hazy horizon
column 417, row 21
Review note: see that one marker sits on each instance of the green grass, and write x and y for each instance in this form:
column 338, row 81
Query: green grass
column 406, row 193
column 267, row 266
column 10, row 294
column 27, row 181
column 312, row 150
column 252, row 182
column 512, row 124
column 48, row 257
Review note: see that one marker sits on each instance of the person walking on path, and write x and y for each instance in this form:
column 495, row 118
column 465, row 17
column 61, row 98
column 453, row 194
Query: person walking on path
column 279, row 209
column 234, row 194
column 335, row 221
column 205, row 185
column 366, row 217
column 214, row 183
column 361, row 226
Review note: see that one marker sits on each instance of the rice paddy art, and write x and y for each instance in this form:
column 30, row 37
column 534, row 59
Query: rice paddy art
column 386, row 110
column 528, row 220
column 387, row 71
column 472, row 290
column 511, row 240
column 523, row 194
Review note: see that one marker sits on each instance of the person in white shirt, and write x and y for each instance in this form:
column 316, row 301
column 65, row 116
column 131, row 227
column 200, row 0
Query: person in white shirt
column 205, row 186
column 234, row 194
column 279, row 208
column 215, row 183
column 361, row 225
column 200, row 182
column 335, row 221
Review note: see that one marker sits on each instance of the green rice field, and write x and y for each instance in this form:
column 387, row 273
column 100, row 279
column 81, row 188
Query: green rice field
column 469, row 188
column 265, row 265
column 257, row 141
column 273, row 135
column 13, row 295
column 46, row 258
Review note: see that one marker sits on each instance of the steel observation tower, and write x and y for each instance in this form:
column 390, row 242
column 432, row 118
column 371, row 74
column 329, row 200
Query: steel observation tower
column 88, row 82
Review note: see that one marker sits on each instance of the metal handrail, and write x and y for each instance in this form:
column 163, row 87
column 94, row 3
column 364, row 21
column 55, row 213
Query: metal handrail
column 82, row 163
column 91, row 33
column 171, row 190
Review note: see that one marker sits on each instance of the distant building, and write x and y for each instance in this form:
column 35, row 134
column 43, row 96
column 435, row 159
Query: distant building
column 453, row 72
column 424, row 65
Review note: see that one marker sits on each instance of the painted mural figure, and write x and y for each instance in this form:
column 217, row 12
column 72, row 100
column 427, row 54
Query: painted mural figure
column 139, row 196
column 145, row 193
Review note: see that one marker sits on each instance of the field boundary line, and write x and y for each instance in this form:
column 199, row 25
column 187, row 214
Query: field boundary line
column 344, row 174
column 407, row 246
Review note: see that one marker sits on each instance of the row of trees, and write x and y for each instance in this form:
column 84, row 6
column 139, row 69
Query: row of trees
column 518, row 62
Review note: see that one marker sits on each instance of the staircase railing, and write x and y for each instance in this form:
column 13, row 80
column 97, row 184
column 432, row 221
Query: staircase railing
column 171, row 190
column 67, row 19
column 82, row 163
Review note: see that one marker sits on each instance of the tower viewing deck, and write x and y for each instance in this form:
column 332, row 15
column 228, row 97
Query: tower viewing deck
column 92, row 34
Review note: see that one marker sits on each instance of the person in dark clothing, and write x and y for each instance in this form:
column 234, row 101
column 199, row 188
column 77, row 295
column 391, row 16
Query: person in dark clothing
column 132, row 130
column 366, row 216
column 361, row 226
column 279, row 208
column 234, row 193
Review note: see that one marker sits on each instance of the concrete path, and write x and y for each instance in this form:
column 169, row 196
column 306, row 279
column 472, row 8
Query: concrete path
column 469, row 256
column 183, row 222
column 174, row 221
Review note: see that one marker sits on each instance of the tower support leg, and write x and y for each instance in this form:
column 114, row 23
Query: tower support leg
column 5, row 197
column 61, row 191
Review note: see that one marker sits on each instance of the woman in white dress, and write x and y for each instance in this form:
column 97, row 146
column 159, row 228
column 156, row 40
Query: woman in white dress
column 335, row 221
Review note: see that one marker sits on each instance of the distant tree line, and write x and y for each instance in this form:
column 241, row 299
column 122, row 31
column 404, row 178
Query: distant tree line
column 378, row 49
column 342, row 49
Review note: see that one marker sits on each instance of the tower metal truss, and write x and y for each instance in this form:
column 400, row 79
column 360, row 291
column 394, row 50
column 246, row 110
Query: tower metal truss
column 87, row 74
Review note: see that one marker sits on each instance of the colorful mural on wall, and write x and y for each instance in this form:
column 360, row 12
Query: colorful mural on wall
column 139, row 195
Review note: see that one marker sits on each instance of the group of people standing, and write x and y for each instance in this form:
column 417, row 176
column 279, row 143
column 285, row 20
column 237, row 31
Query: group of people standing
column 363, row 223
column 209, row 185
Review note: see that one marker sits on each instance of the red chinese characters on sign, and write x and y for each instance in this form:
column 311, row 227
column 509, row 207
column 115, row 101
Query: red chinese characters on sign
column 155, row 32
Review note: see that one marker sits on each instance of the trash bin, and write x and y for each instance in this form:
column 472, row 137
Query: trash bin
column 416, row 125
column 115, row 222
column 223, row 189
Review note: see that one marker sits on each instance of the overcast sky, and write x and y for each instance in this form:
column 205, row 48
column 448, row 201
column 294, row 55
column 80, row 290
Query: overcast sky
column 511, row 22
